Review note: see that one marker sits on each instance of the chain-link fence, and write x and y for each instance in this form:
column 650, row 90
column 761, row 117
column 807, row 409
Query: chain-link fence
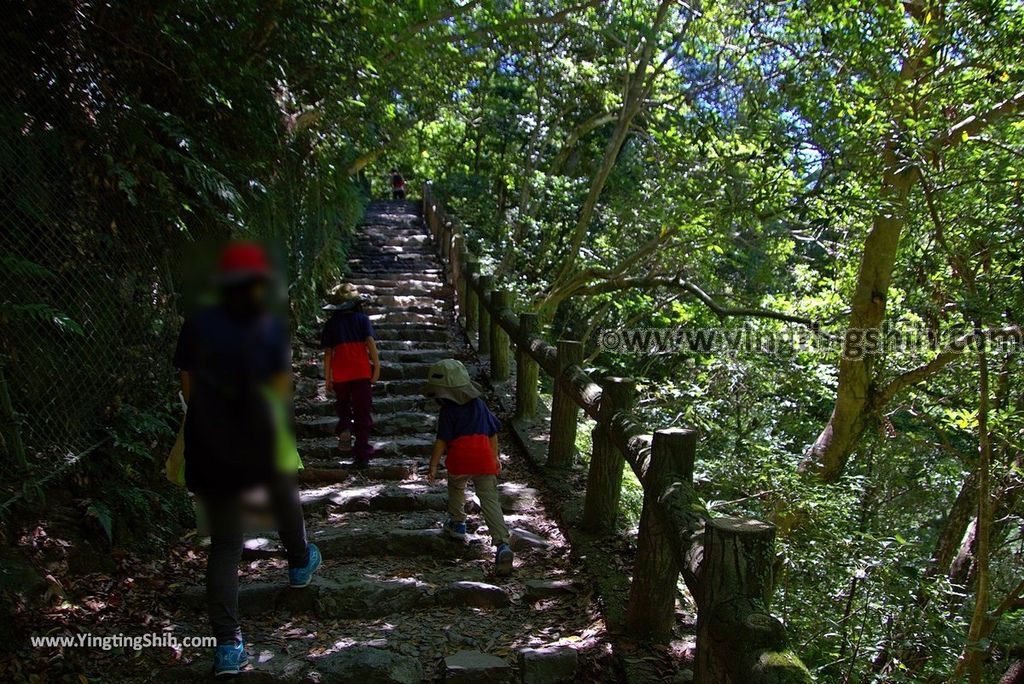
column 88, row 315
column 109, row 179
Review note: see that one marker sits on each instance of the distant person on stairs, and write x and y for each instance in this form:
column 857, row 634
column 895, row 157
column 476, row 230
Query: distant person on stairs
column 235, row 365
column 397, row 185
column 351, row 366
column 468, row 432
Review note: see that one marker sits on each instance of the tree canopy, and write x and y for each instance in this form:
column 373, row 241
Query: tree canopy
column 812, row 170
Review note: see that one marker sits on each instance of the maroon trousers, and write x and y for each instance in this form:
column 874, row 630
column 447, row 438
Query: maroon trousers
column 353, row 404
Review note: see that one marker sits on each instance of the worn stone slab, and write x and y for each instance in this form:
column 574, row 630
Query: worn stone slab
column 473, row 595
column 402, row 424
column 548, row 665
column 413, row 335
column 325, row 472
column 407, row 448
column 516, row 497
column 345, row 597
column 375, row 497
column 369, row 665
column 474, row 667
column 539, row 589
column 523, row 540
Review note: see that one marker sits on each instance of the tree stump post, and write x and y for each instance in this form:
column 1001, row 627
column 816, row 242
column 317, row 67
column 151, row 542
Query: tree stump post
column 458, row 272
column 483, row 338
column 499, row 338
column 604, row 480
column 470, row 309
column 449, row 232
column 564, row 411
column 738, row 640
column 652, row 594
column 527, row 371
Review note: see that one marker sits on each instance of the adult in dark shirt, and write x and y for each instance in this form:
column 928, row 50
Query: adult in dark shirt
column 234, row 360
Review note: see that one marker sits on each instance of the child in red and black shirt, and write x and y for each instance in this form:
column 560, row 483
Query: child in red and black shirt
column 467, row 432
column 351, row 365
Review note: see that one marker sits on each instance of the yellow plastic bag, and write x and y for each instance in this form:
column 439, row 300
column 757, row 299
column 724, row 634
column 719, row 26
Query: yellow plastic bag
column 286, row 452
column 175, row 466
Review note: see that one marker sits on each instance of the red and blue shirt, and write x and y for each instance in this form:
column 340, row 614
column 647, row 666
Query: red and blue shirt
column 467, row 429
column 345, row 333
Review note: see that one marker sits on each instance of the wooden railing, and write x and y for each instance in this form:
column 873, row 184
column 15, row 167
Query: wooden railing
column 727, row 563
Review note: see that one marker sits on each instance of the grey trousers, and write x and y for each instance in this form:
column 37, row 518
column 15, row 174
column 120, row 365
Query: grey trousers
column 486, row 487
column 224, row 516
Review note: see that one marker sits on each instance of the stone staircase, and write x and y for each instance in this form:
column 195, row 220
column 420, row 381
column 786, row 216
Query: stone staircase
column 396, row 601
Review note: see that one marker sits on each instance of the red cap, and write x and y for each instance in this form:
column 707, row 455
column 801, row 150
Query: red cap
column 241, row 260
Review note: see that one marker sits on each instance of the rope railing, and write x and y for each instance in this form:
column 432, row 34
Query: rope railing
column 726, row 563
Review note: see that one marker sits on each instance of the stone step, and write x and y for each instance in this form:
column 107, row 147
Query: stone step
column 403, row 317
column 400, row 301
column 376, row 497
column 373, row 289
column 431, row 274
column 394, row 424
column 365, row 250
column 437, row 313
column 382, row 406
column 407, row 238
column 322, row 472
column 361, row 541
column 391, row 263
column 428, row 356
column 412, row 334
column 412, row 496
column 389, row 370
column 350, row 596
column 399, row 447
column 344, row 597
column 413, row 345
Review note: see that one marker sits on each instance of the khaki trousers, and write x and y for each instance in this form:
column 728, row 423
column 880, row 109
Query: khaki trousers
column 486, row 487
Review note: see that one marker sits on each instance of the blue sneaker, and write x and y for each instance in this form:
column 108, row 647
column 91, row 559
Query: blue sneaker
column 455, row 529
column 228, row 660
column 301, row 577
column 503, row 561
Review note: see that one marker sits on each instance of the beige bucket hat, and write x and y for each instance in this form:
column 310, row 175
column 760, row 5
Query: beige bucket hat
column 449, row 379
column 343, row 298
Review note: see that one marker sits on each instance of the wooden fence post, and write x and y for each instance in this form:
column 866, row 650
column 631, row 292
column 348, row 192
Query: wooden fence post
column 738, row 640
column 449, row 228
column 526, row 371
column 458, row 265
column 564, row 411
column 484, row 318
column 652, row 595
column 499, row 338
column 470, row 310
column 604, row 480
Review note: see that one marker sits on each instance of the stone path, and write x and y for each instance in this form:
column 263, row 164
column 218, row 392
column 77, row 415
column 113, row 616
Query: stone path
column 396, row 601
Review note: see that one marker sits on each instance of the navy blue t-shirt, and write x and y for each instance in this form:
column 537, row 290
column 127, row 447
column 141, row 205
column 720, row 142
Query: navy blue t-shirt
column 466, row 429
column 229, row 429
column 345, row 333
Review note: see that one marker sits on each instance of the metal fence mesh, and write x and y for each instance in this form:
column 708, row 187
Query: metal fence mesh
column 88, row 315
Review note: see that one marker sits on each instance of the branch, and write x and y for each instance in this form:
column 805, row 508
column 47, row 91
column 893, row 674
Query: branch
column 943, row 359
column 976, row 123
column 679, row 284
column 555, row 18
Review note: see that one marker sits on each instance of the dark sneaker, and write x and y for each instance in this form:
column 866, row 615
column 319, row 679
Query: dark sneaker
column 455, row 529
column 301, row 577
column 228, row 660
column 503, row 561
